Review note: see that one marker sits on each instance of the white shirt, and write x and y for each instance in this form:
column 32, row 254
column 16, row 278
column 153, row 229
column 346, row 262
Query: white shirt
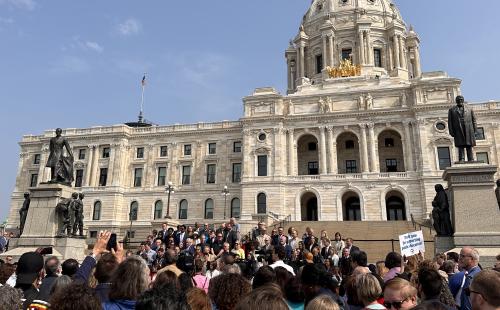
column 280, row 263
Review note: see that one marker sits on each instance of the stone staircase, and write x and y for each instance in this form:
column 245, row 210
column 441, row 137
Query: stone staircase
column 376, row 238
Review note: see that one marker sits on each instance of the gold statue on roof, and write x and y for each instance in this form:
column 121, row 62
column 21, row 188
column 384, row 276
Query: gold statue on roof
column 345, row 69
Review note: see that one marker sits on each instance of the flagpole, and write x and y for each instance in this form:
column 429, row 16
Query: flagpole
column 141, row 114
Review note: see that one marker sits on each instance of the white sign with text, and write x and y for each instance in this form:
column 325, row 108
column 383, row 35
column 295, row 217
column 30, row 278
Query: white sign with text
column 412, row 243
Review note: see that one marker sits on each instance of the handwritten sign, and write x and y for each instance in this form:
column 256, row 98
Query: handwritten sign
column 412, row 243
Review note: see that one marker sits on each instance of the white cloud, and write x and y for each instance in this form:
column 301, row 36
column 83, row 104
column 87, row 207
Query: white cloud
column 202, row 69
column 86, row 45
column 29, row 5
column 70, row 64
column 94, row 46
column 129, row 27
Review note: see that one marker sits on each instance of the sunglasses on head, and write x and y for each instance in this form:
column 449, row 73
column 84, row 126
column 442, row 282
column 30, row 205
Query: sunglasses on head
column 395, row 304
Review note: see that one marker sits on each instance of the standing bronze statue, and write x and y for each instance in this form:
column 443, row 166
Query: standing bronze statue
column 462, row 127
column 61, row 167
column 23, row 212
column 441, row 212
column 78, row 206
column 66, row 211
column 497, row 192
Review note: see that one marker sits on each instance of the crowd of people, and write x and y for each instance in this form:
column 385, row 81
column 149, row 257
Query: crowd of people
column 203, row 267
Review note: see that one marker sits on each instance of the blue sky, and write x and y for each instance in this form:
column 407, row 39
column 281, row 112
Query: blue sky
column 79, row 63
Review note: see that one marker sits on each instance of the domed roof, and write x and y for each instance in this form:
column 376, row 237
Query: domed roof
column 343, row 11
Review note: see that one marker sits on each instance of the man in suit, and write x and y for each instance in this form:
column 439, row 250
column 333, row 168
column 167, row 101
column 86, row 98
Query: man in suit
column 163, row 233
column 350, row 246
column 462, row 127
column 325, row 251
column 460, row 282
column 181, row 235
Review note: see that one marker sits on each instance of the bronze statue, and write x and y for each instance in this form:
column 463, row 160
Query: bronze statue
column 78, row 206
column 23, row 212
column 61, row 167
column 441, row 212
column 462, row 127
column 65, row 210
column 497, row 192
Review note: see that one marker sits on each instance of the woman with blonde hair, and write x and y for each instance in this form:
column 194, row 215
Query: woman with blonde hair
column 369, row 291
column 322, row 302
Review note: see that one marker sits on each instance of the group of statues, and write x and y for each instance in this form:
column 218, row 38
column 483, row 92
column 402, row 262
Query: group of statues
column 71, row 212
column 365, row 102
column 345, row 69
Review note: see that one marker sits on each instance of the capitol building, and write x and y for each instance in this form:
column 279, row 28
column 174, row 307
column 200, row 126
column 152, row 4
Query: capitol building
column 361, row 135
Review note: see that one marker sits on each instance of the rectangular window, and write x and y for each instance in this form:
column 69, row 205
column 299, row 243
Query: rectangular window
column 312, row 168
column 139, row 152
column 163, row 151
column 187, row 149
column 34, row 180
column 351, row 166
column 186, row 175
column 347, row 54
column 480, row 133
column 137, row 177
column 105, row 152
column 319, row 63
column 81, row 154
column 211, row 168
column 103, row 176
column 237, row 147
column 79, row 178
column 444, row 157
column 212, row 148
column 483, row 157
column 93, row 233
column 36, row 159
column 162, row 176
column 236, row 172
column 391, row 165
column 377, row 55
column 130, row 234
column 262, row 165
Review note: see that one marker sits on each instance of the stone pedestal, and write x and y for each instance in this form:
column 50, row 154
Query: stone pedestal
column 43, row 224
column 474, row 210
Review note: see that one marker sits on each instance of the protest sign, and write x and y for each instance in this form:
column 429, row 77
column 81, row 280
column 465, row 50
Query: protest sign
column 412, row 243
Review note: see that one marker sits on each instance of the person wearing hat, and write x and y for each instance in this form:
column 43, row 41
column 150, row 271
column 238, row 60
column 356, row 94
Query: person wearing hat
column 29, row 273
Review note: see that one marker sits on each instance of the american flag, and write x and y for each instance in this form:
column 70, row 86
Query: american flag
column 143, row 82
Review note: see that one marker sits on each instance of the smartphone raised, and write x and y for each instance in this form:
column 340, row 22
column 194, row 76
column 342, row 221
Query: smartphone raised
column 111, row 243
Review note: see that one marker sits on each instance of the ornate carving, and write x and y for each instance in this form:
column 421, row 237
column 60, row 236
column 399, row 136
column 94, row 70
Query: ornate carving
column 79, row 165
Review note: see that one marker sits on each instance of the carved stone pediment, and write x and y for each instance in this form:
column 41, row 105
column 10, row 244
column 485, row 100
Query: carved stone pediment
column 264, row 150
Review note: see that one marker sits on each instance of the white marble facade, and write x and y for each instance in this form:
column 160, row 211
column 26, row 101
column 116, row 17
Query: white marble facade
column 367, row 147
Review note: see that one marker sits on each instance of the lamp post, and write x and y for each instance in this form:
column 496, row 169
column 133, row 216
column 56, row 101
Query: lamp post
column 225, row 192
column 170, row 190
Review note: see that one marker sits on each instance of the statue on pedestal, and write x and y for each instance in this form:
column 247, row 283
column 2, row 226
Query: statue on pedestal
column 78, row 224
column 66, row 210
column 462, row 127
column 441, row 212
column 23, row 212
column 497, row 192
column 61, row 167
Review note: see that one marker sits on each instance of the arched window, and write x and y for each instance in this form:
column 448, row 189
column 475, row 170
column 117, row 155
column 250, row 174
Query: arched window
column 96, row 215
column 235, row 207
column 352, row 209
column 183, row 209
column 158, row 209
column 134, row 209
column 395, row 207
column 261, row 203
column 209, row 209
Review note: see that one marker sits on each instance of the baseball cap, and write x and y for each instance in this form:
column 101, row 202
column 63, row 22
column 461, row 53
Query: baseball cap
column 28, row 267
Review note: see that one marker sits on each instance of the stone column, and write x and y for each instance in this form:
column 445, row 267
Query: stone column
column 88, row 168
column 373, row 152
column 301, row 61
column 95, row 165
column 111, row 165
column 283, row 149
column 418, row 68
column 361, row 48
column 364, row 149
column 325, row 52
column 395, row 42
column 332, row 164
column 322, row 139
column 276, row 141
column 249, row 157
column 330, row 43
column 421, row 133
column 117, row 165
column 409, row 147
column 390, row 56
column 402, row 58
column 291, row 149
column 369, row 47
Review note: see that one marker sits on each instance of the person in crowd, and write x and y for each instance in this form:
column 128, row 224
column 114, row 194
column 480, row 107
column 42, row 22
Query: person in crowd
column 170, row 261
column 430, row 285
column 189, row 247
column 227, row 289
column 218, row 244
column 164, row 297
column 399, row 294
column 349, row 244
column 163, row 234
column 149, row 254
column 484, row 291
column 393, row 263
column 278, row 257
column 69, row 267
column 312, row 277
column 238, row 251
column 52, row 269
column 338, row 243
column 59, row 284
column 10, row 298
column 207, row 253
column 6, row 271
column 268, row 297
column 448, row 267
column 267, row 244
column 181, row 235
column 345, row 263
column 294, row 239
column 264, row 275
column 128, row 282
column 439, row 259
column 29, row 273
column 166, row 278
column 294, row 294
column 3, row 242
column 459, row 282
column 75, row 296
column 325, row 248
column 156, row 245
column 369, row 291
column 185, row 282
column 199, row 279
column 198, row 299
column 322, row 302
